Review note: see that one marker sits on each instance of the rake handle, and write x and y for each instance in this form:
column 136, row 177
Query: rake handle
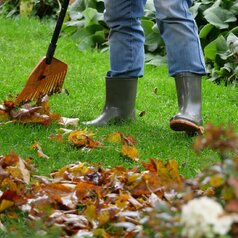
column 54, row 39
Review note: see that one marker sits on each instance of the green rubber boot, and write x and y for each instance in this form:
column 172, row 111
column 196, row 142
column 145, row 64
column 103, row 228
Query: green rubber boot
column 189, row 118
column 119, row 103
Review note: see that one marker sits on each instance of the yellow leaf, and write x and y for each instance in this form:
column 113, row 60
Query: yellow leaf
column 79, row 169
column 130, row 152
column 216, row 181
column 82, row 139
column 172, row 167
column 5, row 204
column 114, row 137
column 91, row 212
column 103, row 217
column 101, row 233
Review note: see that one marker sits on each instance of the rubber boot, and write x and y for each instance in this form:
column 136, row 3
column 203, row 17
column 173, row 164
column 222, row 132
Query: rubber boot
column 119, row 103
column 189, row 118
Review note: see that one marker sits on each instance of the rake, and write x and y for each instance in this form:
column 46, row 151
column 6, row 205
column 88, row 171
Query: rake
column 48, row 76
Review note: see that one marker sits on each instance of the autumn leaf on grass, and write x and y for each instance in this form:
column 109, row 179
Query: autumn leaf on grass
column 36, row 146
column 71, row 171
column 30, row 114
column 38, row 113
column 118, row 137
column 168, row 173
column 3, row 114
column 60, row 135
column 82, row 139
column 16, row 167
column 64, row 121
column 5, row 204
column 11, row 198
column 115, row 137
column 5, row 108
column 128, row 144
column 57, row 137
column 130, row 152
column 8, row 105
column 128, row 140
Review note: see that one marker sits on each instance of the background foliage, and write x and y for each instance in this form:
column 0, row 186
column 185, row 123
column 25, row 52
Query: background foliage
column 216, row 19
column 39, row 8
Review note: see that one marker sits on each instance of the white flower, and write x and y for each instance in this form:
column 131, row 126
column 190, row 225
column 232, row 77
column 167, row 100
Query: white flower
column 223, row 225
column 204, row 217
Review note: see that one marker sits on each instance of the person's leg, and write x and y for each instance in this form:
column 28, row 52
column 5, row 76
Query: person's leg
column 126, row 44
column 126, row 39
column 185, row 60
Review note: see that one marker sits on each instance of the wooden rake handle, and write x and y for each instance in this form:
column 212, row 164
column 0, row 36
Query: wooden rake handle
column 54, row 39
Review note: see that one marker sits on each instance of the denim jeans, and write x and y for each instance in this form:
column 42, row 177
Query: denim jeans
column 126, row 40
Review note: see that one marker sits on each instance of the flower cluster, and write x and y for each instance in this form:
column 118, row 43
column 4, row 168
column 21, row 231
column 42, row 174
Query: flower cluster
column 205, row 217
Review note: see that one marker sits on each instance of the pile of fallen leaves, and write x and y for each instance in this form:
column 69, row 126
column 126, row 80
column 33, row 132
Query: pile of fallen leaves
column 86, row 200
column 83, row 199
column 92, row 201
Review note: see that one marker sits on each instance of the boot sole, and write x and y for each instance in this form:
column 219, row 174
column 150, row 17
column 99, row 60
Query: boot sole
column 189, row 127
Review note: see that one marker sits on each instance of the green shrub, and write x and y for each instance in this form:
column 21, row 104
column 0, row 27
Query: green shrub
column 39, row 8
column 217, row 21
column 86, row 24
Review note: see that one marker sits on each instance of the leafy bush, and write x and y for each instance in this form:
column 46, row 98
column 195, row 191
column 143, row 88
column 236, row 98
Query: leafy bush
column 88, row 29
column 86, row 24
column 39, row 8
column 217, row 21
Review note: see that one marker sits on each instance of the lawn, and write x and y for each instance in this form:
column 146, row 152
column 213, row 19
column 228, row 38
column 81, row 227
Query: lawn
column 23, row 42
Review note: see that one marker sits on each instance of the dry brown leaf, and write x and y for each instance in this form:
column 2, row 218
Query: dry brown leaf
column 19, row 171
column 36, row 146
column 3, row 115
column 28, row 114
column 24, row 171
column 57, row 137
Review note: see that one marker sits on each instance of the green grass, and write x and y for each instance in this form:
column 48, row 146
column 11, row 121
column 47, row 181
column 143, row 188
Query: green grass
column 23, row 42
